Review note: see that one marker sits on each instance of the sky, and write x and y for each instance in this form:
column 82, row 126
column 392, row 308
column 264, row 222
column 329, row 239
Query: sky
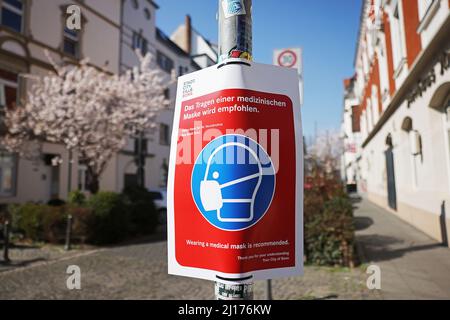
column 327, row 31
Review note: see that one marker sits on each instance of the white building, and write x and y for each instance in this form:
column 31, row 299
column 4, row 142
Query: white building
column 402, row 90
column 350, row 133
column 27, row 28
column 139, row 32
column 111, row 31
column 202, row 51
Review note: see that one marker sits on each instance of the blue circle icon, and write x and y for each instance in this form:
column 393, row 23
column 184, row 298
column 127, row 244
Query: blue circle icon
column 233, row 182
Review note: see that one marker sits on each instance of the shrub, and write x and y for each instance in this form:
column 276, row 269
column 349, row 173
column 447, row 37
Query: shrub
column 77, row 198
column 329, row 231
column 82, row 218
column 38, row 222
column 54, row 222
column 141, row 210
column 105, row 218
column 109, row 222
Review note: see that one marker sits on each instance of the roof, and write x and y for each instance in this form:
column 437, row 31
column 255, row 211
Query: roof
column 360, row 30
column 154, row 4
column 162, row 37
column 213, row 46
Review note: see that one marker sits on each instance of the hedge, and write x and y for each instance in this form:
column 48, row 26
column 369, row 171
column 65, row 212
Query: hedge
column 105, row 218
column 329, row 227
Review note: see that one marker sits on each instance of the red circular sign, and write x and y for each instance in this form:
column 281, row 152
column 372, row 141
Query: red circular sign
column 287, row 58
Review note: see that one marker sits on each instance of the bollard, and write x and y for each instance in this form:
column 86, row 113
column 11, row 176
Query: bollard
column 269, row 290
column 6, row 242
column 67, row 247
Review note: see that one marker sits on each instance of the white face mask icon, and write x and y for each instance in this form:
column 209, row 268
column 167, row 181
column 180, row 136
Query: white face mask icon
column 211, row 190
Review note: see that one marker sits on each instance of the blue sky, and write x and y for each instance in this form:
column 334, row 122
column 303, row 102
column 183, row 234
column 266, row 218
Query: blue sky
column 326, row 30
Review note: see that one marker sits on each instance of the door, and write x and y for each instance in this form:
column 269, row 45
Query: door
column 390, row 170
column 54, row 182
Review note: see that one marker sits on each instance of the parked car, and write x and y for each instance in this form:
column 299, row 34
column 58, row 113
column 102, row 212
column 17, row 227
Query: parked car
column 159, row 198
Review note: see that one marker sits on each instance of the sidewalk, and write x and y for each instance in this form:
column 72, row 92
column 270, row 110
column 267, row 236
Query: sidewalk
column 413, row 266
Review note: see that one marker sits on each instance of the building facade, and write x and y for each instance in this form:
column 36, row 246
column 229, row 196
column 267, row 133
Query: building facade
column 399, row 109
column 111, row 33
column 28, row 28
column 139, row 32
column 350, row 133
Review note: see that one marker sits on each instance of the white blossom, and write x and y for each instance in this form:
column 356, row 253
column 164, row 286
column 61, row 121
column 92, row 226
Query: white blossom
column 88, row 110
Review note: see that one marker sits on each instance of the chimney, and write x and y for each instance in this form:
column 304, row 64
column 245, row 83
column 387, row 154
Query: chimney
column 188, row 25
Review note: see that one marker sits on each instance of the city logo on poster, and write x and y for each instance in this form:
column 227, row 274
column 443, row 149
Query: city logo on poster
column 233, row 182
column 188, row 88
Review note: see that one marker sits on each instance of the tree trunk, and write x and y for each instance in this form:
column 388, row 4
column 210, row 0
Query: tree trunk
column 93, row 181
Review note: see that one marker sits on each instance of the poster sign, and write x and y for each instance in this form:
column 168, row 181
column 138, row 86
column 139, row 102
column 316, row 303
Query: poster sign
column 235, row 195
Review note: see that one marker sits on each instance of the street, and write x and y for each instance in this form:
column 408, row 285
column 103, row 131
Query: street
column 139, row 271
column 412, row 266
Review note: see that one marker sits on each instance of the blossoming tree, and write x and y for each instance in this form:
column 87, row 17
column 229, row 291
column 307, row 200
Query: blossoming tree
column 87, row 110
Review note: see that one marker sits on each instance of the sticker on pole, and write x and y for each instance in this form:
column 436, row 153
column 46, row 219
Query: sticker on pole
column 235, row 190
column 233, row 8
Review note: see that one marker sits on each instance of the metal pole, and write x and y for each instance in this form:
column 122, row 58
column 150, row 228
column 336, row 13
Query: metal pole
column 69, row 178
column 6, row 242
column 68, row 245
column 236, row 291
column 269, row 290
column 235, row 29
column 235, row 41
column 141, row 161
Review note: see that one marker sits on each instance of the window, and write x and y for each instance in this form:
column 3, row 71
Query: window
column 447, row 111
column 356, row 119
column 143, row 149
column 164, row 134
column 139, row 42
column 182, row 70
column 147, row 14
column 156, row 195
column 8, row 89
column 397, row 38
column 424, row 6
column 8, row 166
column 82, row 178
column 12, row 14
column 167, row 94
column 71, row 42
column 164, row 174
column 164, row 62
column 130, row 180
